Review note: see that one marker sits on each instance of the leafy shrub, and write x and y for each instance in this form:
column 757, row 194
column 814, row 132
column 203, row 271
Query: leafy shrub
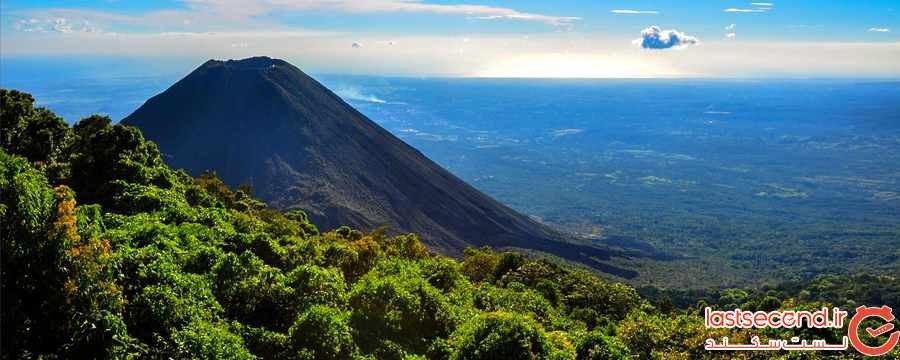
column 500, row 335
column 206, row 340
column 479, row 264
column 395, row 302
column 516, row 298
column 321, row 332
column 598, row 346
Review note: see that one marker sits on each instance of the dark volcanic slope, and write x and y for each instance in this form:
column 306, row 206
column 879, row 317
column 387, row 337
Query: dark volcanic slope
column 264, row 122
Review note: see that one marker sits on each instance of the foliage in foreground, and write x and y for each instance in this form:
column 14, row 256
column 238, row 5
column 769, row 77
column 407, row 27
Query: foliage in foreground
column 108, row 253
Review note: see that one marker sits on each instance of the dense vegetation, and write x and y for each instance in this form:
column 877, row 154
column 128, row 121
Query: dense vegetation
column 108, row 253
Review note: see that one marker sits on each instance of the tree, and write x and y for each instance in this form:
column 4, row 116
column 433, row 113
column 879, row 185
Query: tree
column 500, row 335
column 58, row 288
column 598, row 346
column 509, row 261
column 206, row 340
column 395, row 302
column 254, row 293
column 102, row 154
column 611, row 300
column 35, row 133
column 31, row 273
column 314, row 285
column 15, row 110
column 479, row 264
column 516, row 298
column 321, row 332
column 93, row 300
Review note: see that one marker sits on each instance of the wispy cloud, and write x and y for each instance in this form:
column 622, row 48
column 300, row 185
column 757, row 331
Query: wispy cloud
column 739, row 10
column 550, row 20
column 758, row 7
column 217, row 15
column 53, row 24
column 629, row 11
column 86, row 20
column 881, row 30
column 655, row 38
column 730, row 27
column 730, row 35
column 250, row 8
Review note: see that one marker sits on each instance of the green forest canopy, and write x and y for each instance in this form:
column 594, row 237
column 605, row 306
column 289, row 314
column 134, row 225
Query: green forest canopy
column 108, row 253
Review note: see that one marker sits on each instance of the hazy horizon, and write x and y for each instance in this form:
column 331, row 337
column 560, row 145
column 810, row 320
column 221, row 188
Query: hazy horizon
column 560, row 39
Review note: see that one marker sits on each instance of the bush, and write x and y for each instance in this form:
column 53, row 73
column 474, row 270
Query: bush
column 254, row 293
column 516, row 298
column 395, row 302
column 500, row 335
column 598, row 346
column 479, row 264
column 205, row 340
column 321, row 332
column 314, row 285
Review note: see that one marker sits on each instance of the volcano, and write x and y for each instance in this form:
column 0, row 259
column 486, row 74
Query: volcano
column 263, row 122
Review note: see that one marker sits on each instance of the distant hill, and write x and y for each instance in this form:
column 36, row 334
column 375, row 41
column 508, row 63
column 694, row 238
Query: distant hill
column 265, row 123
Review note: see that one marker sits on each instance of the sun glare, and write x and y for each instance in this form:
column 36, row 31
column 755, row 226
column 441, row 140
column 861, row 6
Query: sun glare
column 569, row 66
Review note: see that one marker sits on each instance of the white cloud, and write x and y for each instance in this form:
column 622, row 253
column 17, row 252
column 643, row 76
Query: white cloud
column 758, row 7
column 657, row 39
column 62, row 26
column 356, row 45
column 730, row 27
column 738, row 10
column 629, row 11
column 550, row 20
column 730, row 35
column 881, row 30
column 55, row 24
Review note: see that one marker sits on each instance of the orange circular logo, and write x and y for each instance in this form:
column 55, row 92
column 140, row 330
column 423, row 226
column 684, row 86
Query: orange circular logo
column 884, row 313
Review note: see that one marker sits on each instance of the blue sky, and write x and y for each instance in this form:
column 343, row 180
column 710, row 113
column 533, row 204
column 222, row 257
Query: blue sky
column 524, row 38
